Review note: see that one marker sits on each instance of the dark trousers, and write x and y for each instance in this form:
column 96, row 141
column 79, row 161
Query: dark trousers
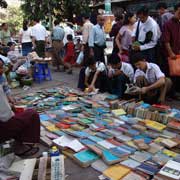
column 101, row 83
column 26, row 48
column 150, row 55
column 23, row 127
column 118, row 85
column 40, row 48
column 81, row 81
column 99, row 54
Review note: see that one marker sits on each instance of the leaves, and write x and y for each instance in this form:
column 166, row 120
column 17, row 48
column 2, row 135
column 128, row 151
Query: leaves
column 55, row 8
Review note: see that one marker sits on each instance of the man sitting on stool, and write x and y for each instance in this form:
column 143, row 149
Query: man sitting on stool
column 150, row 79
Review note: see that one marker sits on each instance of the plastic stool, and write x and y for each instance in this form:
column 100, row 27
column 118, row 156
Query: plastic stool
column 42, row 72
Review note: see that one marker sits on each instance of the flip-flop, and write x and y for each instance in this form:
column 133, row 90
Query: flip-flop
column 32, row 152
column 27, row 150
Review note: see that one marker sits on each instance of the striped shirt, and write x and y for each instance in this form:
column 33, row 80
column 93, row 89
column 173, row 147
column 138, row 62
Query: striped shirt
column 152, row 74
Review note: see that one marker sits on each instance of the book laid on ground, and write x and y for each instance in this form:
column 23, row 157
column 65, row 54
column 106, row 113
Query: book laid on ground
column 85, row 158
column 99, row 165
column 130, row 163
column 69, row 142
column 116, row 172
column 171, row 170
column 133, row 176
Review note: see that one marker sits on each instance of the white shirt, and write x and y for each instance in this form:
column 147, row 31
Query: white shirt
column 152, row 74
column 39, row 32
column 87, row 27
column 26, row 35
column 99, row 67
column 67, row 31
column 128, row 70
column 149, row 25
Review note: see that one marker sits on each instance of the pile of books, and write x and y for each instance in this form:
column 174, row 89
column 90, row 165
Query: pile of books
column 121, row 139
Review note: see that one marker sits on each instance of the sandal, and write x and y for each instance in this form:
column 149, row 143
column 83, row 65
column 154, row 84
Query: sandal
column 30, row 151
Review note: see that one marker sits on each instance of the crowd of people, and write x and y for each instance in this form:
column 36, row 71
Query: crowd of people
column 142, row 47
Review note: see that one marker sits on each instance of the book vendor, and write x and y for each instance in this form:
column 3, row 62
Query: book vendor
column 23, row 127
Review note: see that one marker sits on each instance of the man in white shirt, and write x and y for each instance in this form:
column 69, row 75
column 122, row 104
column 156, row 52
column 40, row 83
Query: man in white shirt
column 120, row 74
column 39, row 38
column 146, row 35
column 97, row 40
column 95, row 76
column 150, row 78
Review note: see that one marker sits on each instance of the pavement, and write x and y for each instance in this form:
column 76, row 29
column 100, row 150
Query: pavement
column 73, row 171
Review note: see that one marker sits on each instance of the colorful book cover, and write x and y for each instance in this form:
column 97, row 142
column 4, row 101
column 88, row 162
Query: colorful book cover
column 116, row 172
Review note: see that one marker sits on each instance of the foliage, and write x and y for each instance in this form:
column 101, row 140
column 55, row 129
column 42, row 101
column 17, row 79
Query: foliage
column 14, row 18
column 43, row 9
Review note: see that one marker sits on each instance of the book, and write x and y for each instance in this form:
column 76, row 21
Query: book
column 171, row 170
column 174, row 124
column 118, row 112
column 69, row 142
column 86, row 157
column 106, row 144
column 116, row 172
column 123, row 138
column 169, row 143
column 99, row 165
column 154, row 148
column 141, row 156
column 155, row 125
column 110, row 158
column 130, row 163
column 133, row 176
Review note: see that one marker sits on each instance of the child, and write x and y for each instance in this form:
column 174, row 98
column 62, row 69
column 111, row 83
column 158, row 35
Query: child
column 95, row 76
column 69, row 58
column 120, row 73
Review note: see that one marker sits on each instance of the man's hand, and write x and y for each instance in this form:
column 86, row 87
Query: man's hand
column 11, row 100
column 144, row 90
column 136, row 48
column 90, row 88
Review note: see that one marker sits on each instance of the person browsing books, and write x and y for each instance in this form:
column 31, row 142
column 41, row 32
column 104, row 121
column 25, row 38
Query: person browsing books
column 150, row 79
column 119, row 74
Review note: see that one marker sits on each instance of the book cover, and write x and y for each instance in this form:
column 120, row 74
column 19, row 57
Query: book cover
column 133, row 176
column 109, row 158
column 86, row 156
column 116, row 172
column 130, row 163
column 171, row 170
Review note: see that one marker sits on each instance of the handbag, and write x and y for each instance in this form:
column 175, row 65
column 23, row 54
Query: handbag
column 174, row 66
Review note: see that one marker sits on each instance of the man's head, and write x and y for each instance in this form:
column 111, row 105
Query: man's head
column 115, row 61
column 4, row 26
column 85, row 17
column 36, row 20
column 177, row 11
column 100, row 20
column 139, row 61
column 1, row 67
column 161, row 8
column 56, row 22
column 69, row 37
column 11, row 46
column 143, row 14
column 91, row 63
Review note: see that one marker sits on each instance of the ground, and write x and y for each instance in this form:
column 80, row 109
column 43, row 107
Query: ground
column 73, row 171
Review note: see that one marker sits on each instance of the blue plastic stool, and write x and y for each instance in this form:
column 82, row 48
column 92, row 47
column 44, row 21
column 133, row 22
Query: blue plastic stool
column 42, row 72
